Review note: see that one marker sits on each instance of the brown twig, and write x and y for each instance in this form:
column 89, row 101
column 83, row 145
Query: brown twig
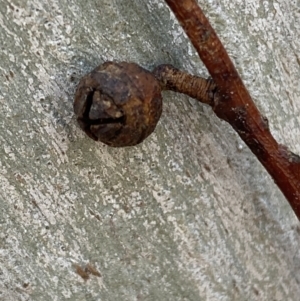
column 233, row 103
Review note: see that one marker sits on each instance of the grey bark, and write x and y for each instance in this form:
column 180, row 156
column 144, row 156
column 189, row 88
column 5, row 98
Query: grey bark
column 190, row 214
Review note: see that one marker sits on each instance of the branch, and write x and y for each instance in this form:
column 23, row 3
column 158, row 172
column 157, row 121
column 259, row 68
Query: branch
column 233, row 103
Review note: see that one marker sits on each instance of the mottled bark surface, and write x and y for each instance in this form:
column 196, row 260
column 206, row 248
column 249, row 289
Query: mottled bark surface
column 189, row 214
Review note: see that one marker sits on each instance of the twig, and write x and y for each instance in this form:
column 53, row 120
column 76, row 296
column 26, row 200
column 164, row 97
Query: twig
column 233, row 103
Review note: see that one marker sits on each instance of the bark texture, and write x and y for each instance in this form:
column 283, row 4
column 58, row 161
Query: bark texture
column 189, row 214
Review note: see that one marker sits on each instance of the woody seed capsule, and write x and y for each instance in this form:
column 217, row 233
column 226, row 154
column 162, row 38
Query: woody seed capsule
column 118, row 104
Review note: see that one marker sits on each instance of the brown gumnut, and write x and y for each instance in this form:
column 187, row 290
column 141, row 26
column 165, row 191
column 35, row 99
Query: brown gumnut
column 118, row 104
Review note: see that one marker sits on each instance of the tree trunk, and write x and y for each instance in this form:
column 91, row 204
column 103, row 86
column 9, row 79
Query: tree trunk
column 189, row 214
